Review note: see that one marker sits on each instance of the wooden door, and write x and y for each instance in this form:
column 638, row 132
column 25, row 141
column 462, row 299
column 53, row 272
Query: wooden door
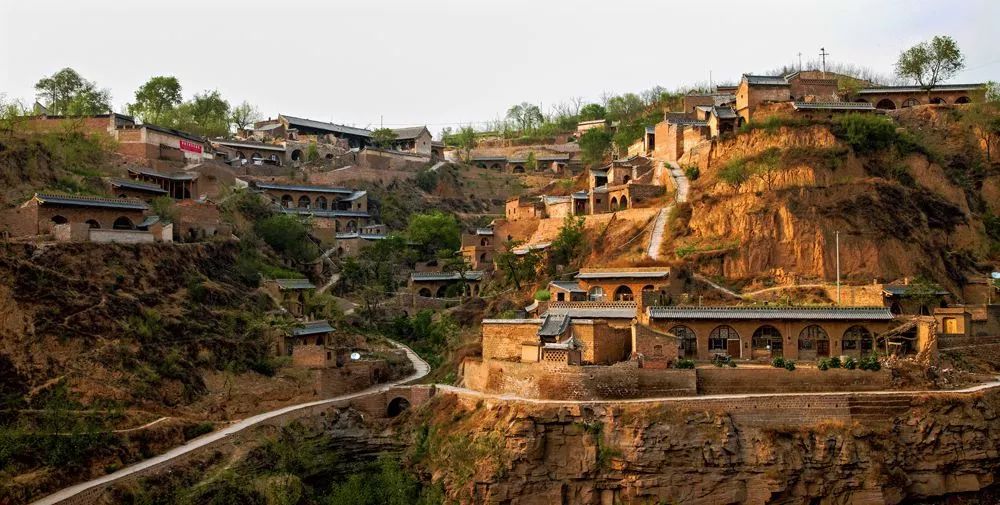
column 823, row 348
column 733, row 348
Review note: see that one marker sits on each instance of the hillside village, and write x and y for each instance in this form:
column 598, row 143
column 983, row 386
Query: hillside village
column 810, row 232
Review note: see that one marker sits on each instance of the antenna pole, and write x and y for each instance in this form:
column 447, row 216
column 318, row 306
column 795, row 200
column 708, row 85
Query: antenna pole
column 838, row 268
column 823, row 54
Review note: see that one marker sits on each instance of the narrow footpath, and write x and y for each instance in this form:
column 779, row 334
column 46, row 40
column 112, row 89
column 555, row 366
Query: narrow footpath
column 421, row 369
column 659, row 227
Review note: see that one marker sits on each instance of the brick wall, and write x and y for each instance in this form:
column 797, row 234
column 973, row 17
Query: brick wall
column 121, row 236
column 713, row 381
column 503, row 340
column 312, row 356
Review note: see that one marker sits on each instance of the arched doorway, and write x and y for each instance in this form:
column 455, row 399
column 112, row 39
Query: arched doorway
column 886, row 104
column 123, row 223
column 518, row 169
column 814, row 342
column 725, row 340
column 687, row 345
column 623, row 294
column 59, row 220
column 481, row 165
column 963, row 99
column 910, row 102
column 256, row 157
column 623, row 204
column 304, row 202
column 352, row 226
column 766, row 342
column 626, row 179
column 482, row 258
column 596, row 294
column 286, row 201
column 397, row 406
column 297, row 155
column 614, row 203
column 424, row 292
column 340, row 251
column 857, row 341
column 321, row 202
column 442, row 291
column 93, row 223
column 495, row 166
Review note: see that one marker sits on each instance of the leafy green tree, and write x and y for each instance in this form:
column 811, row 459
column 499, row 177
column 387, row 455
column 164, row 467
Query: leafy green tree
column 931, row 62
column 156, row 98
column 625, row 107
column 983, row 119
column 435, row 231
column 244, row 115
column 594, row 145
column 866, row 133
column 627, row 133
column 569, row 244
column 289, row 236
column 383, row 137
column 734, row 173
column 531, row 163
column 12, row 113
column 592, row 111
column 466, row 140
column 207, row 114
column 767, row 166
column 66, row 92
column 527, row 116
column 516, row 269
column 163, row 206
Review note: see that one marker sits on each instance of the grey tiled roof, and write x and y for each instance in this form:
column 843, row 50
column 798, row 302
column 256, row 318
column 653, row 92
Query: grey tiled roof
column 90, row 201
column 325, row 213
column 765, row 80
column 355, row 196
column 623, row 274
column 246, row 143
column 408, row 133
column 906, row 290
column 687, row 122
column 724, row 112
column 139, row 185
column 303, row 187
column 580, row 195
column 571, row 286
column 149, row 221
column 471, row 275
column 292, row 284
column 918, row 89
column 553, row 325
column 484, row 231
column 489, row 158
column 174, row 177
column 312, row 328
column 584, row 310
column 833, row 105
column 806, row 313
column 363, row 236
column 295, row 122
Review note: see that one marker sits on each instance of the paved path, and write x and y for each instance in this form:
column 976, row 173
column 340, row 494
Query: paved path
column 717, row 287
column 438, row 165
column 668, row 399
column 660, row 226
column 421, row 369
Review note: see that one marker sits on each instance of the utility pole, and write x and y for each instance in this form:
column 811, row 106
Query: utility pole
column 823, row 54
column 710, row 87
column 800, row 61
column 838, row 267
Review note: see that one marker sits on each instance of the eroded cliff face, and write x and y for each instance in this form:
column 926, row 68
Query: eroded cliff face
column 782, row 226
column 874, row 451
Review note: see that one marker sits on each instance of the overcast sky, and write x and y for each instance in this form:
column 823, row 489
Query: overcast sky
column 451, row 62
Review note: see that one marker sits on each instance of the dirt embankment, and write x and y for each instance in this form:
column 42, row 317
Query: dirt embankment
column 898, row 214
column 497, row 452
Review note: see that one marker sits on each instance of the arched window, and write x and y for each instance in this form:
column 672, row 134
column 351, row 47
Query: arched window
column 910, row 102
column 626, row 179
column 240, row 155
column 352, row 226
column 123, row 223
column 272, row 157
column 950, row 325
column 624, row 202
column 767, row 338
column 885, row 104
column 813, row 342
column 963, row 99
column 321, row 202
column 424, row 292
column 59, row 220
column 688, row 343
column 623, row 294
column 256, row 157
column 304, row 202
column 481, row 165
column 286, row 201
column 336, row 226
column 485, row 242
column 495, row 166
column 937, row 100
column 93, row 223
column 857, row 338
column 596, row 294
column 518, row 169
column 648, row 288
column 720, row 336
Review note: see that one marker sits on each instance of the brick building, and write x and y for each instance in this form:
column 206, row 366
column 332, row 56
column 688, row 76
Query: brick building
column 479, row 248
column 414, row 139
column 310, row 333
column 43, row 211
column 338, row 209
column 353, row 243
column 128, row 188
column 437, row 284
column 289, row 293
column 764, row 332
column 626, row 284
column 899, row 97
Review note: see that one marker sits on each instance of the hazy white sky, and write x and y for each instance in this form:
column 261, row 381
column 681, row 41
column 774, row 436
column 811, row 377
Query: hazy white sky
column 451, row 62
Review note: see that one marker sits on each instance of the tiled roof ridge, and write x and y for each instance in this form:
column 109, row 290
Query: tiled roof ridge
column 88, row 198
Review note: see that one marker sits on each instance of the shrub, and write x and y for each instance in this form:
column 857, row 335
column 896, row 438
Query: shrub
column 789, row 365
column 735, row 172
column 850, row 363
column 427, row 180
column 721, row 360
column 197, row 430
column 778, row 362
column 835, row 362
column 866, row 133
column 871, row 363
column 543, row 295
column 692, row 172
column 682, row 363
column 823, row 364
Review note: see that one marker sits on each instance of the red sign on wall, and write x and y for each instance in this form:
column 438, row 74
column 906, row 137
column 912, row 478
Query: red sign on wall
column 190, row 147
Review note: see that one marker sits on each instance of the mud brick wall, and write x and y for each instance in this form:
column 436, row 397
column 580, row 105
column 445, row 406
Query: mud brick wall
column 121, row 236
column 503, row 340
column 712, row 381
column 639, row 192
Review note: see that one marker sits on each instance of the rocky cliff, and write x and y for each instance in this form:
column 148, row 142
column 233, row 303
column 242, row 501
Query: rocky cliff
column 836, row 450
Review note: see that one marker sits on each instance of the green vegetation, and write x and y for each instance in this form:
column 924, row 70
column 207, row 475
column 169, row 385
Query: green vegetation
column 427, row 180
column 850, row 363
column 429, row 337
column 434, row 231
column 155, row 99
column 685, row 364
column 689, row 249
column 778, row 362
column 244, row 115
column 866, row 133
column 164, row 207
column 383, row 137
column 67, row 93
column 721, row 360
column 543, row 295
column 870, row 362
column 517, row 268
column 735, row 173
column 595, row 144
column 772, row 124
column 569, row 245
column 592, row 111
column 931, row 62
column 373, row 275
column 289, row 236
column 692, row 172
column 789, row 365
